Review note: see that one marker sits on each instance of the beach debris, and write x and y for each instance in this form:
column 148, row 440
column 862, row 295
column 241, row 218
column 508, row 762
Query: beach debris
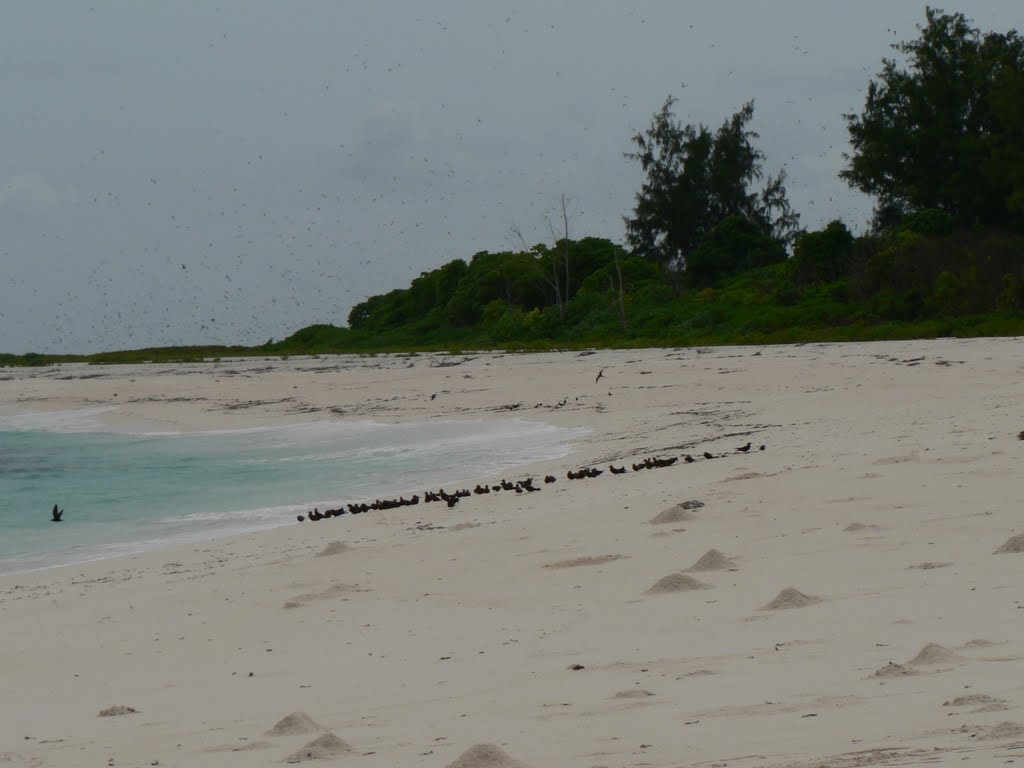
column 633, row 693
column 117, row 711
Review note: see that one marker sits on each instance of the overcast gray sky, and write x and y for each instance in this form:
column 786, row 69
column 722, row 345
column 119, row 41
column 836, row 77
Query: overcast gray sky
column 229, row 172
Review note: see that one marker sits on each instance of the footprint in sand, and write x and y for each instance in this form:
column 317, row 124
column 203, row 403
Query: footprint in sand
column 335, row 591
column 589, row 560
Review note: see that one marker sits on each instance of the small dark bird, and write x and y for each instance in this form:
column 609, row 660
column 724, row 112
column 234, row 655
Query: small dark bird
column 549, row 479
column 688, row 459
column 616, row 470
column 761, row 448
column 599, row 375
column 433, row 396
column 744, row 449
column 708, row 455
column 57, row 514
column 300, row 518
column 452, row 501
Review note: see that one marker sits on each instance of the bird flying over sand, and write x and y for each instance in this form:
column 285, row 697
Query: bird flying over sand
column 599, row 375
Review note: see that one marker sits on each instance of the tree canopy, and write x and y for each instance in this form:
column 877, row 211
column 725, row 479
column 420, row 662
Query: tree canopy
column 947, row 131
column 695, row 179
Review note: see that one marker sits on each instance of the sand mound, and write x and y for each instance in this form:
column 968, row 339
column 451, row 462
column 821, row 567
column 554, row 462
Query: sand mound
column 463, row 526
column 790, row 598
column 1004, row 730
column 928, row 566
column 981, row 642
column 296, row 722
column 115, row 711
column 892, row 669
column 933, row 655
column 676, row 582
column 712, row 560
column 321, row 748
column 334, row 548
column 633, row 693
column 853, row 527
column 676, row 514
column 1013, row 545
column 974, row 700
column 485, row 756
column 590, row 560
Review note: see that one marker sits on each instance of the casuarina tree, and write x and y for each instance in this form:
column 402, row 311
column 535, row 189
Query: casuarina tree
column 944, row 130
column 695, row 179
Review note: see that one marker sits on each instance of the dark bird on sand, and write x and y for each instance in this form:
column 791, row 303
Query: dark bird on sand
column 549, row 478
column 300, row 518
column 708, row 455
column 689, row 459
column 433, row 396
column 616, row 470
column 56, row 514
column 761, row 448
column 744, row 449
column 600, row 374
column 452, row 501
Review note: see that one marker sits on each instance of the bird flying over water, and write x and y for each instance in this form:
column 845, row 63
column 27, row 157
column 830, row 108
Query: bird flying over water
column 57, row 513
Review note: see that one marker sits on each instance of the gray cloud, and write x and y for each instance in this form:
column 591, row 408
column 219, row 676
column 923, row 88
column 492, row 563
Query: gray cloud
column 192, row 173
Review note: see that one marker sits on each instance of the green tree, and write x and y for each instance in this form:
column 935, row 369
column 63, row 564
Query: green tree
column 696, row 179
column 945, row 132
column 822, row 256
column 734, row 244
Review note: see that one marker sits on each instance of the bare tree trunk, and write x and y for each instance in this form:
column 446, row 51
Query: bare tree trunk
column 517, row 233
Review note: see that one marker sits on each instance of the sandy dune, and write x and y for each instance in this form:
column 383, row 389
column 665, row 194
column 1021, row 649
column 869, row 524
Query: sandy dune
column 515, row 629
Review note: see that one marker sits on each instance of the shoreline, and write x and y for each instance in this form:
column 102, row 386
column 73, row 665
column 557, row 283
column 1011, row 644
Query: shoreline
column 531, row 621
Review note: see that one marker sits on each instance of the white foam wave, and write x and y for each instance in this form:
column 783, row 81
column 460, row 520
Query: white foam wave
column 72, row 420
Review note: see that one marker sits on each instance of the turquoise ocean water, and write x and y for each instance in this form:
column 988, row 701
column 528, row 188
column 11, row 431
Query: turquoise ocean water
column 125, row 492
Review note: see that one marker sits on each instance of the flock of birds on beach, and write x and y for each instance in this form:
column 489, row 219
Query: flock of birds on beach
column 519, row 487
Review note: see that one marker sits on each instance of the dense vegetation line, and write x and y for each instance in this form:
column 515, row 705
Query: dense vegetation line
column 711, row 258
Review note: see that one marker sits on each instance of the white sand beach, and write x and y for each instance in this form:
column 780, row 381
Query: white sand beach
column 856, row 611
